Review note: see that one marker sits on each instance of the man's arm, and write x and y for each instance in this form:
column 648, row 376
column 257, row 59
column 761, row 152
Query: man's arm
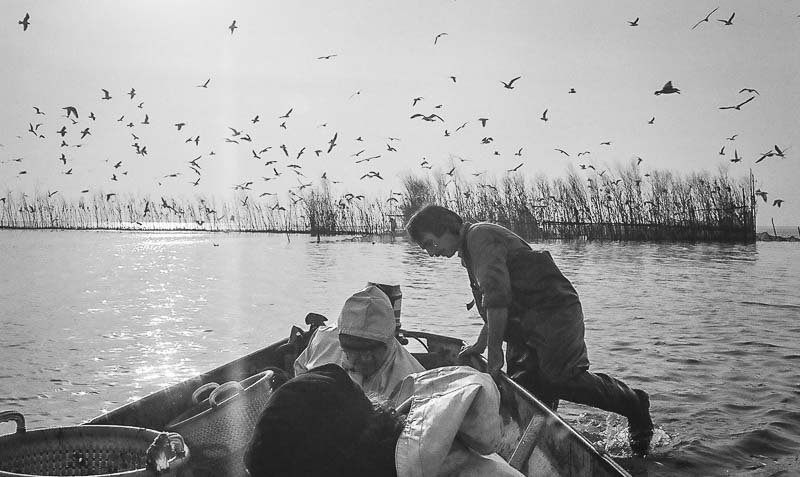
column 496, row 319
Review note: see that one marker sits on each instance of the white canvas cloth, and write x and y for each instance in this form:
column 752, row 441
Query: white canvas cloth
column 453, row 427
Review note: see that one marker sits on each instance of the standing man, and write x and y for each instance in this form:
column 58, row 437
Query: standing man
column 526, row 301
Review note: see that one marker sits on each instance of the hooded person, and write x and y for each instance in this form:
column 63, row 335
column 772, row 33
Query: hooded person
column 364, row 344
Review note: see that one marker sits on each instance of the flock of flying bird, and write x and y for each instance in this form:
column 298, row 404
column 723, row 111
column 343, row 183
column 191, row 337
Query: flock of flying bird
column 74, row 127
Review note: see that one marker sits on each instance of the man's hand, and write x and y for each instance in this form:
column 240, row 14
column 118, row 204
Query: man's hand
column 496, row 361
column 478, row 348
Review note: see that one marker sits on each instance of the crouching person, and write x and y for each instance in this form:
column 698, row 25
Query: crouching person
column 364, row 344
column 322, row 423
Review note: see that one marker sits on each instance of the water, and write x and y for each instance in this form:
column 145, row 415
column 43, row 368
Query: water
column 92, row 320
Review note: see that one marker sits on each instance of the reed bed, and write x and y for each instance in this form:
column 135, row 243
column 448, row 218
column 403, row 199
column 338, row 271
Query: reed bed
column 316, row 211
column 615, row 204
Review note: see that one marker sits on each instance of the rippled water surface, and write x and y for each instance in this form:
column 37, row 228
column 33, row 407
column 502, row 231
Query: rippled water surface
column 91, row 320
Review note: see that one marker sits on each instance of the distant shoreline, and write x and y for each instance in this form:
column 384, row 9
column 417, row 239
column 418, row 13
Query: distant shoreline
column 784, row 232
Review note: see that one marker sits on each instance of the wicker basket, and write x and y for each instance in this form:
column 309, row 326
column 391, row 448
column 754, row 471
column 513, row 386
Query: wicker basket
column 89, row 450
column 219, row 428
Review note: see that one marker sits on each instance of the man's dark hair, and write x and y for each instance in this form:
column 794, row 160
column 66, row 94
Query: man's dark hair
column 434, row 219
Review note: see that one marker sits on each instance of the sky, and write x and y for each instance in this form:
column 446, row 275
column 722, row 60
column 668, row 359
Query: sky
column 313, row 70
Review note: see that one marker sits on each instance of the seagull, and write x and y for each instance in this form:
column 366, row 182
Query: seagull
column 105, row 94
column 453, row 78
column 544, row 115
column 562, row 151
column 706, row 18
column 634, row 23
column 516, row 168
column 24, row 22
column 255, row 119
column 738, row 106
column 430, row 117
column 204, row 85
column 722, row 151
column 179, row 126
column 62, row 131
column 132, row 93
column 732, row 138
column 572, row 91
column 762, row 194
column 287, row 114
column 777, row 202
column 326, row 57
column 652, row 120
column 667, row 89
column 483, row 121
column 736, row 157
column 779, row 152
column 729, row 21
column 415, row 100
column 38, row 111
column 765, row 155
column 85, row 132
column 372, row 174
column 438, row 36
column 232, row 26
column 518, row 153
column 332, row 142
column 71, row 110
column 509, row 85
column 748, row 90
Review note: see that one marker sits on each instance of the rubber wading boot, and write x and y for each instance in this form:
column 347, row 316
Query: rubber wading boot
column 640, row 429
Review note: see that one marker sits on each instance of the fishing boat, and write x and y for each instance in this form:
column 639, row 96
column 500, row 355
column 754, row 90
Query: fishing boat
column 536, row 440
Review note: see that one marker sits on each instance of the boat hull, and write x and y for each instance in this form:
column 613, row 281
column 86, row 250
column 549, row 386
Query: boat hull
column 536, row 440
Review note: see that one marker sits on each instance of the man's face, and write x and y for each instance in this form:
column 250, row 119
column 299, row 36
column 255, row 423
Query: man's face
column 444, row 246
column 362, row 355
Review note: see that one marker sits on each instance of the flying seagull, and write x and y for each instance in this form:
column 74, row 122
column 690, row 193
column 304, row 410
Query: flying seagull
column 544, row 115
column 71, row 110
column 232, row 26
column 729, row 21
column 204, row 85
column 24, row 22
column 739, row 106
column 748, row 90
column 706, row 18
column 510, row 84
column 326, row 57
column 438, row 36
column 667, row 89
column 634, row 23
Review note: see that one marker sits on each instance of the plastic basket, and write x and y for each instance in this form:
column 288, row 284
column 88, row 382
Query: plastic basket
column 89, row 450
column 219, row 427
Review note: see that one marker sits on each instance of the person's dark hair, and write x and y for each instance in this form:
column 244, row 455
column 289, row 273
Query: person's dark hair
column 322, row 423
column 434, row 219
